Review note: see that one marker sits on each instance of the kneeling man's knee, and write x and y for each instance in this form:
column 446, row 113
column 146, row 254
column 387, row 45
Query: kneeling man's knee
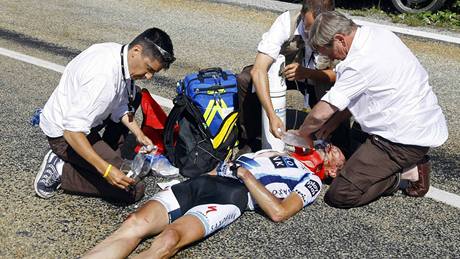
column 342, row 194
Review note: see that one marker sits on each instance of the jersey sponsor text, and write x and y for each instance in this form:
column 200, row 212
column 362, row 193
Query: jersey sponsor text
column 313, row 187
column 283, row 162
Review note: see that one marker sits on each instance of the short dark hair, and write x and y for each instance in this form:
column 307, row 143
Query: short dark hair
column 317, row 6
column 156, row 44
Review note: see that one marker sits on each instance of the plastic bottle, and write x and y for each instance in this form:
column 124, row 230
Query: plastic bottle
column 139, row 167
column 143, row 162
column 292, row 139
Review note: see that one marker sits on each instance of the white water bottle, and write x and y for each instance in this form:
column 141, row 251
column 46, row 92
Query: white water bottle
column 277, row 85
column 140, row 166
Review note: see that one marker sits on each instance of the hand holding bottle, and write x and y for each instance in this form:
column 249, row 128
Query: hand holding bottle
column 293, row 138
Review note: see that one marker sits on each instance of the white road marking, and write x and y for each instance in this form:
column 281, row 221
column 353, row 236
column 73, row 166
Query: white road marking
column 434, row 193
column 32, row 60
column 282, row 7
column 58, row 68
column 443, row 196
column 412, row 32
column 165, row 102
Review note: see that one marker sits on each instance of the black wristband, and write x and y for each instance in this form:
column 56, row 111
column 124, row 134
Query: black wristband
column 234, row 168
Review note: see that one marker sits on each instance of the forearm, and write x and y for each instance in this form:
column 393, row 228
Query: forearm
column 132, row 125
column 322, row 76
column 338, row 118
column 316, row 118
column 261, row 84
column 266, row 200
column 81, row 145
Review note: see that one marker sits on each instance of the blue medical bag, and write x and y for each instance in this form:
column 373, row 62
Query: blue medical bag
column 214, row 92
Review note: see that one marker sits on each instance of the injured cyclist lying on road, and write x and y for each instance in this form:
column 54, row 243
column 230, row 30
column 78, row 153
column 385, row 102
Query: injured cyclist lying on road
column 279, row 184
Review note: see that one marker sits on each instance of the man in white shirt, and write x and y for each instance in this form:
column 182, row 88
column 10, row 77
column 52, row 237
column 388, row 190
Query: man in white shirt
column 97, row 91
column 287, row 36
column 383, row 85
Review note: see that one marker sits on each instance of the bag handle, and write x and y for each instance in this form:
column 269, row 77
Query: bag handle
column 208, row 72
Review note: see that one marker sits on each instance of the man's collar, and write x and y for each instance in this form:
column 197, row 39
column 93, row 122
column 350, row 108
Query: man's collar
column 300, row 30
column 125, row 62
column 358, row 40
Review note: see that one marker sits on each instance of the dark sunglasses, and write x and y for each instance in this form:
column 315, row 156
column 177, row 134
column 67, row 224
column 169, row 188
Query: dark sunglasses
column 167, row 57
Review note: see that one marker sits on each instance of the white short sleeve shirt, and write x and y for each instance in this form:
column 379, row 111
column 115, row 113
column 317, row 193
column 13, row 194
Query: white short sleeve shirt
column 278, row 34
column 387, row 90
column 91, row 88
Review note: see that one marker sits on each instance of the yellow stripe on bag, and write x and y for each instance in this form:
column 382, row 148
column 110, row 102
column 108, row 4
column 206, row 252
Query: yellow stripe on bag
column 208, row 110
column 220, row 91
column 225, row 129
column 213, row 108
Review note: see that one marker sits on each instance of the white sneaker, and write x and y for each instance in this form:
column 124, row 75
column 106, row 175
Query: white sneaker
column 48, row 179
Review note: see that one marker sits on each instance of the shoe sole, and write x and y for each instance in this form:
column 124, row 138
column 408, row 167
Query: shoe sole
column 40, row 173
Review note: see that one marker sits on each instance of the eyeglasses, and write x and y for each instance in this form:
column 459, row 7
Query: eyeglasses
column 167, row 57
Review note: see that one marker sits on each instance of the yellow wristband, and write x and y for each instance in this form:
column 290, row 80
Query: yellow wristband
column 107, row 171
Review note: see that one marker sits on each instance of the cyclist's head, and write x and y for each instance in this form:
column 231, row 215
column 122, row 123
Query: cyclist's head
column 334, row 160
column 325, row 160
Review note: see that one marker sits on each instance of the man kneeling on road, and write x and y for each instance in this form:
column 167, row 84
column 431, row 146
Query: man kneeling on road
column 305, row 71
column 383, row 85
column 97, row 91
column 277, row 183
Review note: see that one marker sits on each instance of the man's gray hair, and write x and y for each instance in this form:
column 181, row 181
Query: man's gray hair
column 326, row 26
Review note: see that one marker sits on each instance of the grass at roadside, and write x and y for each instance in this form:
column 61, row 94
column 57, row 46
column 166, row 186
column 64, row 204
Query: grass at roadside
column 446, row 19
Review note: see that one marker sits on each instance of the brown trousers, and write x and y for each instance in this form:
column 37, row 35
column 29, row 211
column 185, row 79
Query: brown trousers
column 79, row 177
column 371, row 171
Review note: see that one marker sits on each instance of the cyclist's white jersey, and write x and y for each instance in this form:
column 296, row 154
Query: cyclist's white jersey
column 281, row 175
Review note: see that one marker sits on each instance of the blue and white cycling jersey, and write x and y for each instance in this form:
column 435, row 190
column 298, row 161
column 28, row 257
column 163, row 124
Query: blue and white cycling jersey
column 281, row 175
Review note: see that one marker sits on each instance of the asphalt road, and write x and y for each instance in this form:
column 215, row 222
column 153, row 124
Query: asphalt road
column 204, row 34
